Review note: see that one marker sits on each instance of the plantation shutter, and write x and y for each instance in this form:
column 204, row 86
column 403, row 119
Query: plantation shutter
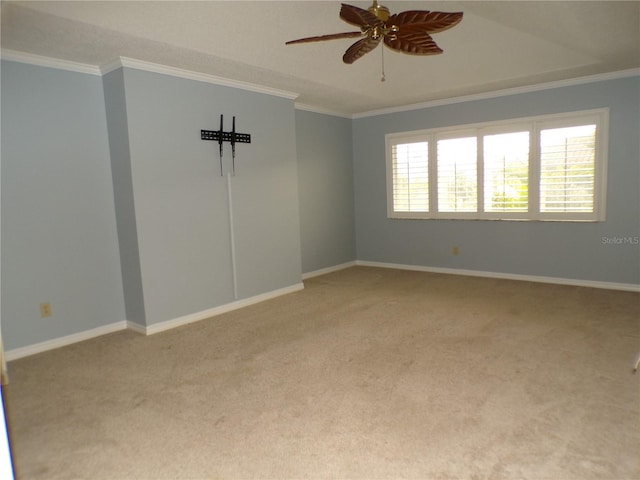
column 410, row 164
column 506, row 172
column 457, row 175
column 544, row 168
column 567, row 169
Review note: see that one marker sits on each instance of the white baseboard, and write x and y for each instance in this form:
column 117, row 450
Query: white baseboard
column 324, row 271
column 212, row 312
column 136, row 327
column 145, row 330
column 63, row 341
column 630, row 287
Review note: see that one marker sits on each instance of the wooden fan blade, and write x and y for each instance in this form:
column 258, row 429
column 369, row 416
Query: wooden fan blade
column 413, row 41
column 321, row 38
column 358, row 16
column 431, row 22
column 360, row 48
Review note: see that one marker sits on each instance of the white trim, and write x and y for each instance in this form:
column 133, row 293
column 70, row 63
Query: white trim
column 503, row 93
column 40, row 61
column 323, row 111
column 136, row 327
column 146, row 330
column 64, row 341
column 534, row 125
column 212, row 312
column 189, row 75
column 629, row 287
column 111, row 66
column 324, row 271
column 29, row 58
column 21, row 352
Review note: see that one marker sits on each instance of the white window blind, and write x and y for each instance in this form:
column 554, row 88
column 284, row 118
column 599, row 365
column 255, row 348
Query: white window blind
column 506, row 172
column 567, row 158
column 410, row 166
column 457, row 175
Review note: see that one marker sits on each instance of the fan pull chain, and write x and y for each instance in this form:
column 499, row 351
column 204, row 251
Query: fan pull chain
column 382, row 78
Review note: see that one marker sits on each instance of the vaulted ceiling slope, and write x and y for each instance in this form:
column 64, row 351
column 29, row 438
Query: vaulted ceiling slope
column 498, row 45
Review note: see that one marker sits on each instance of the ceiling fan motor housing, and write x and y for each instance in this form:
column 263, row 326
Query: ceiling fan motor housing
column 377, row 31
column 379, row 11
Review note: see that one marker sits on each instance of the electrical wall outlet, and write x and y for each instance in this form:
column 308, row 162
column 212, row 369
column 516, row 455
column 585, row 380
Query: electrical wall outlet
column 45, row 310
column 455, row 250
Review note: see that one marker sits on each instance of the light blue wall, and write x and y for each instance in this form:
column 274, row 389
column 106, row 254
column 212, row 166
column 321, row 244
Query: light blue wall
column 59, row 241
column 65, row 235
column 160, row 248
column 182, row 202
column 118, row 129
column 551, row 249
column 325, row 179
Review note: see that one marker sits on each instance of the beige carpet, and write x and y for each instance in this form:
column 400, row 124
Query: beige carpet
column 366, row 373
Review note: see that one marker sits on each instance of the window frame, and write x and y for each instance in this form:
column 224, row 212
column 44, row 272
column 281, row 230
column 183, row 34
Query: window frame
column 534, row 125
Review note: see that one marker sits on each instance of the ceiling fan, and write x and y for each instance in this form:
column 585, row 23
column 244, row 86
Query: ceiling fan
column 408, row 32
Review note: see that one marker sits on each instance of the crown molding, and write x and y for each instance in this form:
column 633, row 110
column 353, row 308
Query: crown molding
column 111, row 66
column 634, row 72
column 323, row 111
column 190, row 75
column 40, row 61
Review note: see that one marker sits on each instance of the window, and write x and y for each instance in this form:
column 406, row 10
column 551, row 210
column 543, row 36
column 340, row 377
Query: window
column 567, row 169
column 506, row 172
column 411, row 176
column 457, row 175
column 538, row 168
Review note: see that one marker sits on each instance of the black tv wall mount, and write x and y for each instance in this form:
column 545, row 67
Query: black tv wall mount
column 221, row 136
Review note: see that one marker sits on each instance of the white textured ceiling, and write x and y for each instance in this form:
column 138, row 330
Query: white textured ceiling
column 497, row 45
